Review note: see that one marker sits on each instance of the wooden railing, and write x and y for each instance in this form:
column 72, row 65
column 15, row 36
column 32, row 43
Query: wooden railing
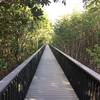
column 15, row 85
column 85, row 81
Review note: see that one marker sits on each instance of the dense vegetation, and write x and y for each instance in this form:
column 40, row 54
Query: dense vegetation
column 79, row 35
column 23, row 29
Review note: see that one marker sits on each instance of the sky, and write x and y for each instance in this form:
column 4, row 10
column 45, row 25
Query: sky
column 56, row 10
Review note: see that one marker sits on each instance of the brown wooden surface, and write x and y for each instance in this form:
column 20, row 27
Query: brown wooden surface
column 49, row 82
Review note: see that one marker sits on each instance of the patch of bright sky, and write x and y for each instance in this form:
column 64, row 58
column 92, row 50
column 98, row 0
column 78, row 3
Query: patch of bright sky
column 56, row 10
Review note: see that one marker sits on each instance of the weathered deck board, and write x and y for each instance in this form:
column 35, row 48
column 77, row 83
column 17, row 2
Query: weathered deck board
column 50, row 82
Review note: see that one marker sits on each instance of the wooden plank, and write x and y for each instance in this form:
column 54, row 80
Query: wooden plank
column 49, row 82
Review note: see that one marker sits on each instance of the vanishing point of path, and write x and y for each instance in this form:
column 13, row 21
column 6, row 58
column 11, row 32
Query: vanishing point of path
column 49, row 82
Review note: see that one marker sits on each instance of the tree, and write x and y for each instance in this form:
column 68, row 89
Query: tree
column 79, row 34
column 18, row 30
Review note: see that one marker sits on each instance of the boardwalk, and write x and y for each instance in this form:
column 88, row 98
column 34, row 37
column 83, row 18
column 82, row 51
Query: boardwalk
column 49, row 82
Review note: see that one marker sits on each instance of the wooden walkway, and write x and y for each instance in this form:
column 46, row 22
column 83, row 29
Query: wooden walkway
column 49, row 82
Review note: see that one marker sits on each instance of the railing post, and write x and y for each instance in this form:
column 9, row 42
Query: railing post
column 17, row 82
column 85, row 81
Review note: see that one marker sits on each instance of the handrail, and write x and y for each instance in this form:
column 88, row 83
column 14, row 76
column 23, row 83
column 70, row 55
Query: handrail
column 84, row 80
column 14, row 86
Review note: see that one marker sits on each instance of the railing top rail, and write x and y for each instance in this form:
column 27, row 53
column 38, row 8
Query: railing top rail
column 89, row 71
column 7, row 79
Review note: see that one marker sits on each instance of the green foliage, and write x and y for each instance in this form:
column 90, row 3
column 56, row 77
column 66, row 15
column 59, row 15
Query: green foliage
column 92, row 5
column 21, row 32
column 14, row 20
column 77, row 34
column 95, row 55
column 2, row 64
